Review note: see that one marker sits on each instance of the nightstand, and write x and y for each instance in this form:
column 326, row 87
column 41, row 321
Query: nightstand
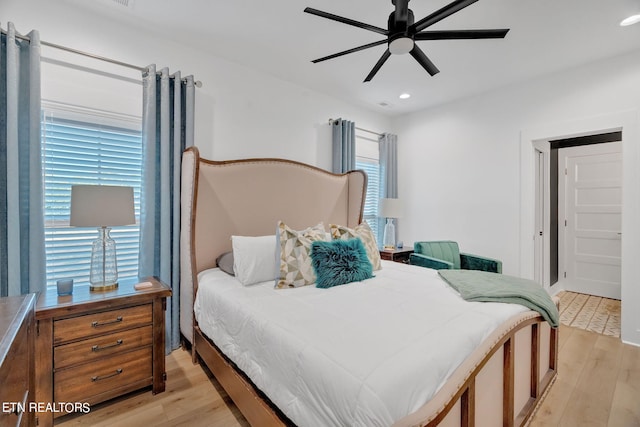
column 94, row 346
column 397, row 255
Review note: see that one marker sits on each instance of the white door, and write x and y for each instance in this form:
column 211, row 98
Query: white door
column 590, row 249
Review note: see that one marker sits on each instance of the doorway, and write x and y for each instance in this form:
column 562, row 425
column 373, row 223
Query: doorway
column 590, row 218
column 583, row 210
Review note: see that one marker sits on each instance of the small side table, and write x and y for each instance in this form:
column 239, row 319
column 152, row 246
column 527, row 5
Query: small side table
column 94, row 346
column 396, row 255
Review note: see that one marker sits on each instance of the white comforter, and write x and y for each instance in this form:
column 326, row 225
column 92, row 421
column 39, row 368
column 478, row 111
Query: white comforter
column 362, row 354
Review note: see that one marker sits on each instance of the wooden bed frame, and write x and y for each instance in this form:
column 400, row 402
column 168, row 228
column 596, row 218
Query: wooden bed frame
column 500, row 383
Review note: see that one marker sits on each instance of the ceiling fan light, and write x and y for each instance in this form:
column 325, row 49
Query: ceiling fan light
column 401, row 45
column 634, row 19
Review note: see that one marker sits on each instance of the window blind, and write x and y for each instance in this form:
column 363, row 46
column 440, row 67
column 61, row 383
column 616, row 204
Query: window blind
column 87, row 152
column 370, row 214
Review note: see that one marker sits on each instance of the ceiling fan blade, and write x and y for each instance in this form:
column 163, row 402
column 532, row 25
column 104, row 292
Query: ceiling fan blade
column 379, row 64
column 402, row 10
column 440, row 14
column 355, row 49
column 422, row 59
column 462, row 34
column 346, row 21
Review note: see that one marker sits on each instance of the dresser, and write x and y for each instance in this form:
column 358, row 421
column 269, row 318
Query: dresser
column 17, row 350
column 94, row 346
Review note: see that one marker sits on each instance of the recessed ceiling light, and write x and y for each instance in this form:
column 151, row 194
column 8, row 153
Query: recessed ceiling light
column 634, row 19
column 405, row 96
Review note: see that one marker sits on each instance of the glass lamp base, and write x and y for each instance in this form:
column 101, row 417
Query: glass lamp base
column 389, row 239
column 103, row 288
column 104, row 269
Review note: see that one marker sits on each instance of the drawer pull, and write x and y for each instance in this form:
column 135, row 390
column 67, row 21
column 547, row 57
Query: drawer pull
column 95, row 323
column 117, row 372
column 104, row 347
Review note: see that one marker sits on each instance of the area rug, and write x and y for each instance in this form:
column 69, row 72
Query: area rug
column 595, row 314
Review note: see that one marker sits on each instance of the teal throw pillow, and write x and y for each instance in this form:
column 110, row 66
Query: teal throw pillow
column 340, row 261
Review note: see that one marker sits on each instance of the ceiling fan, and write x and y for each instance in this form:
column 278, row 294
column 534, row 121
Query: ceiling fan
column 403, row 33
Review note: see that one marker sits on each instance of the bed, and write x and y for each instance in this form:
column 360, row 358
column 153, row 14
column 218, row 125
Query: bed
column 496, row 374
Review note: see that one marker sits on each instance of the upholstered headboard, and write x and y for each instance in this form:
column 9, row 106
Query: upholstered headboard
column 248, row 198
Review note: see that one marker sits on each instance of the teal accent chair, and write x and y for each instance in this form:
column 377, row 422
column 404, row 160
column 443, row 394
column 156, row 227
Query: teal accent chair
column 442, row 255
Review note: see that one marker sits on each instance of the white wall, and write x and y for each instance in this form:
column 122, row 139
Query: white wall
column 240, row 112
column 460, row 164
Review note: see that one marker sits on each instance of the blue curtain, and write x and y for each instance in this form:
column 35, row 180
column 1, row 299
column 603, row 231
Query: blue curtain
column 22, row 255
column 167, row 129
column 344, row 146
column 388, row 151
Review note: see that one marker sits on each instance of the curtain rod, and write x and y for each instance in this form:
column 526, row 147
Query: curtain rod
column 360, row 129
column 198, row 83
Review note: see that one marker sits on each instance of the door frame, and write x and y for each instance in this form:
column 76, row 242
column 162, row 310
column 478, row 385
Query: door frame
column 542, row 217
column 537, row 139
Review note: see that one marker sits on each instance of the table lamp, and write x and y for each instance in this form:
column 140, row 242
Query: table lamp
column 390, row 209
column 102, row 206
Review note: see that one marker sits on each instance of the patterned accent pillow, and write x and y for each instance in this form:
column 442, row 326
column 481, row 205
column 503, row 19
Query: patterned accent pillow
column 364, row 233
column 295, row 259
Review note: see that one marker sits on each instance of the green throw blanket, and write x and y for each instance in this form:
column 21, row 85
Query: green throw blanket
column 492, row 287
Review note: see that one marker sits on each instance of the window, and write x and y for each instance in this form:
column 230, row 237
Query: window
column 367, row 159
column 81, row 146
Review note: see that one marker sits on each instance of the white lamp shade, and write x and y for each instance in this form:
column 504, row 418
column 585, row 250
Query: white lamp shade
column 390, row 208
column 101, row 206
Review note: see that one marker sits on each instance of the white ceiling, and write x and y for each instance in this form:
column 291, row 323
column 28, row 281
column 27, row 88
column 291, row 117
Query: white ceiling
column 276, row 37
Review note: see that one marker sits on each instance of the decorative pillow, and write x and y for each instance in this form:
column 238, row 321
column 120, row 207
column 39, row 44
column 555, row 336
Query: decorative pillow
column 295, row 261
column 364, row 233
column 225, row 263
column 253, row 258
column 339, row 262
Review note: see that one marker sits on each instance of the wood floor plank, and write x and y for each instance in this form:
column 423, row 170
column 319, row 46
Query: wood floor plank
column 564, row 336
column 592, row 396
column 575, row 347
column 625, row 408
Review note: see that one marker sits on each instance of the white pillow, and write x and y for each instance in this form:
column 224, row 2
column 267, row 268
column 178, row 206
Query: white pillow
column 253, row 258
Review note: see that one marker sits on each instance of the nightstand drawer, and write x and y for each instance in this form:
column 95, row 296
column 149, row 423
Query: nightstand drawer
column 81, row 383
column 105, row 345
column 101, row 323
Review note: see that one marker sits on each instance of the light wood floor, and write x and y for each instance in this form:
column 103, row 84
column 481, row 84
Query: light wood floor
column 598, row 385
